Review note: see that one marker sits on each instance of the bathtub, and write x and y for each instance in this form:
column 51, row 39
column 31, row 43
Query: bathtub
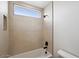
column 37, row 53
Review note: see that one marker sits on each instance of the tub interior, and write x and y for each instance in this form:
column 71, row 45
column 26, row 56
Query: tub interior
column 37, row 53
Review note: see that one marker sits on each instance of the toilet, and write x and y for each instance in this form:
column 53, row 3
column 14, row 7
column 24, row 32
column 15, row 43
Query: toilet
column 65, row 54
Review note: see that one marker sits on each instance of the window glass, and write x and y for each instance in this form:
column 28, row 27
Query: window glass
column 19, row 10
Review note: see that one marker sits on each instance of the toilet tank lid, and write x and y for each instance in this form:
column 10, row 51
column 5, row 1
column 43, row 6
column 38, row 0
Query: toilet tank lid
column 65, row 54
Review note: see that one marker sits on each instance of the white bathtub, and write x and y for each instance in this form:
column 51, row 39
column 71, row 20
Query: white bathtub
column 37, row 53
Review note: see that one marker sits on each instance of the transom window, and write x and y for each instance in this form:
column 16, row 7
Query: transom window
column 20, row 10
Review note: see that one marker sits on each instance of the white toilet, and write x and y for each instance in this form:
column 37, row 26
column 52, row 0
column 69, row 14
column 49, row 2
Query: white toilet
column 65, row 54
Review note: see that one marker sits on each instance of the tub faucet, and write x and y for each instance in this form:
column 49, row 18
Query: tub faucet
column 46, row 46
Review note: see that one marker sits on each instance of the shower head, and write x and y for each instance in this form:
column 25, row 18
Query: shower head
column 45, row 16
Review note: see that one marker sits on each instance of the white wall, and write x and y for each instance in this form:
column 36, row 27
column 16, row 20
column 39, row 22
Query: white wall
column 47, row 26
column 3, row 34
column 66, row 27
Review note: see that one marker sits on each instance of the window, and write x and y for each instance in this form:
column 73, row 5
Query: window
column 19, row 10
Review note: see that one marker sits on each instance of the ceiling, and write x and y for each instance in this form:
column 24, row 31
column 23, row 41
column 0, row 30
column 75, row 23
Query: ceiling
column 40, row 4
